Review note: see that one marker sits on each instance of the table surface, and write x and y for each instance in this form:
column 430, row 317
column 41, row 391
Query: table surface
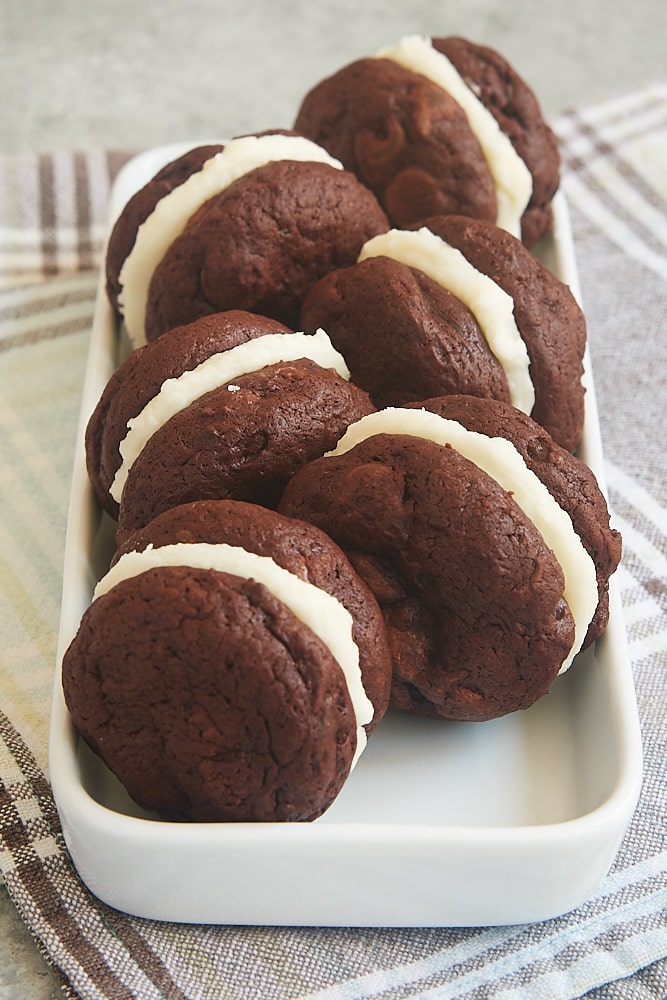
column 126, row 76
column 120, row 74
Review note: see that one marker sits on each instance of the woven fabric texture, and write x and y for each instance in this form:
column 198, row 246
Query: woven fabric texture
column 53, row 212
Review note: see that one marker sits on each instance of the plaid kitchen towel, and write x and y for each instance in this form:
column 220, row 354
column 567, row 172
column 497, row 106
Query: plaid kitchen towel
column 52, row 222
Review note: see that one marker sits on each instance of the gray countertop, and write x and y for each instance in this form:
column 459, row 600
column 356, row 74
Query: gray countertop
column 78, row 74
column 129, row 75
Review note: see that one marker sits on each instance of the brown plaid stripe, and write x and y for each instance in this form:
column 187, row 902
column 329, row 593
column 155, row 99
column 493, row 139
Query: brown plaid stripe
column 53, row 217
column 599, row 168
column 97, row 950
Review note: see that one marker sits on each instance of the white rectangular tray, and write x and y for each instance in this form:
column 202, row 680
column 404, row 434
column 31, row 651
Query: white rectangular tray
column 440, row 824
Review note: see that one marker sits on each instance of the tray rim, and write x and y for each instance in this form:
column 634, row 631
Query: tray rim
column 601, row 829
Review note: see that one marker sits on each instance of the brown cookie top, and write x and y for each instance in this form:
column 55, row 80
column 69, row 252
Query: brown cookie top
column 140, row 206
column 262, row 243
column 243, row 442
column 300, row 548
column 568, row 479
column 403, row 336
column 140, row 377
column 405, row 137
column 209, row 699
column 515, row 108
column 472, row 596
column 548, row 317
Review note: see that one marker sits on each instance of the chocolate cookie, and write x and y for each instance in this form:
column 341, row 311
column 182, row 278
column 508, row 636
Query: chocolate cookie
column 547, row 315
column 300, row 548
column 569, row 480
column 439, row 126
column 141, row 376
column 486, row 587
column 141, row 205
column 514, row 106
column 262, row 244
column 216, row 684
column 404, row 137
column 243, row 440
column 402, row 334
column 406, row 335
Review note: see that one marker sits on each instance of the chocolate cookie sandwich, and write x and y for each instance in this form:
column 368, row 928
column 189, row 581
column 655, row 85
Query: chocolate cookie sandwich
column 229, row 667
column 258, row 223
column 141, row 205
column 235, row 425
column 140, row 378
column 440, row 126
column 487, row 546
column 457, row 306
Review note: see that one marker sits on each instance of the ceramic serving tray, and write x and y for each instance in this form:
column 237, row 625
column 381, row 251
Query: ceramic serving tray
column 440, row 824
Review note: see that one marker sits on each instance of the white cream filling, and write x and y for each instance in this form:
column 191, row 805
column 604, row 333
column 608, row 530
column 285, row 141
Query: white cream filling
column 317, row 609
column 512, row 179
column 178, row 393
column 171, row 214
column 499, row 459
column 491, row 306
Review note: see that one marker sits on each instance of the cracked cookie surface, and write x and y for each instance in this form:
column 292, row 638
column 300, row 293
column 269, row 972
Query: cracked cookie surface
column 262, row 243
column 210, row 699
column 141, row 375
column 298, row 547
column 243, row 444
